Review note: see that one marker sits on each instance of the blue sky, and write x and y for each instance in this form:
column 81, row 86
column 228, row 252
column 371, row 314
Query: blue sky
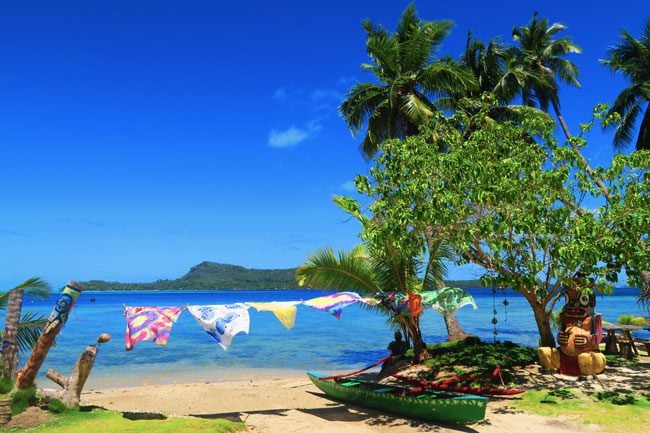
column 139, row 138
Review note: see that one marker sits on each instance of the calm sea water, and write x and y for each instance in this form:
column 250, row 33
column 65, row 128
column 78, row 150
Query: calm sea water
column 318, row 341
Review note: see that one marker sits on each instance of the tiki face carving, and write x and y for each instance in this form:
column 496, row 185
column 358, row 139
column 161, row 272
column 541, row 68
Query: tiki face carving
column 580, row 331
column 59, row 314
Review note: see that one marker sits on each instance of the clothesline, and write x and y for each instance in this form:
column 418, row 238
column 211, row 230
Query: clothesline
column 223, row 322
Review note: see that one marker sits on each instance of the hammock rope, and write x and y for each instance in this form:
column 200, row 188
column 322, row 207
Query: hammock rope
column 338, row 376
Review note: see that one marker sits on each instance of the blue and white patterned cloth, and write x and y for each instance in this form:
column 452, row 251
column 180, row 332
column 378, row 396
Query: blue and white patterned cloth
column 222, row 322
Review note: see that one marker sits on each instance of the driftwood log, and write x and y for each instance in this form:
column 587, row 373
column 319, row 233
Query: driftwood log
column 54, row 324
column 73, row 384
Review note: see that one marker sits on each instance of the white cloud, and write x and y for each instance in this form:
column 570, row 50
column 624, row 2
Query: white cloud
column 347, row 81
column 11, row 232
column 288, row 138
column 281, row 95
column 349, row 186
column 293, row 136
column 326, row 94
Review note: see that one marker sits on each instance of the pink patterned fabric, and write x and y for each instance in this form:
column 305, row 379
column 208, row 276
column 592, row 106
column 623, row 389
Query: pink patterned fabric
column 149, row 323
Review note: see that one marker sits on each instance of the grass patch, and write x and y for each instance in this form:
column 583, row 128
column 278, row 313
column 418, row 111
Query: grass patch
column 604, row 409
column 617, row 361
column 100, row 420
column 23, row 398
column 56, row 406
column 6, row 385
column 559, row 394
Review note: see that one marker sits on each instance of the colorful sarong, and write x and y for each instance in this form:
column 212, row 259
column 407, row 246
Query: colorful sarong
column 285, row 312
column 222, row 322
column 414, row 304
column 334, row 303
column 149, row 323
column 447, row 300
column 396, row 302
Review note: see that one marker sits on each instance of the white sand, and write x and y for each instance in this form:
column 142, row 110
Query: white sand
column 294, row 404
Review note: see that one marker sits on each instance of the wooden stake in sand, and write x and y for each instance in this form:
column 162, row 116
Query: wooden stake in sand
column 73, row 385
column 54, row 324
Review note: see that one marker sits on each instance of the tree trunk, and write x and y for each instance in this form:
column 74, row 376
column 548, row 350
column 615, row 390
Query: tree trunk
column 10, row 343
column 560, row 119
column 73, row 385
column 454, row 330
column 54, row 324
column 420, row 352
column 542, row 318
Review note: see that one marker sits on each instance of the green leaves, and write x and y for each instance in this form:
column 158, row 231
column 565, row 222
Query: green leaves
column 409, row 78
column 631, row 57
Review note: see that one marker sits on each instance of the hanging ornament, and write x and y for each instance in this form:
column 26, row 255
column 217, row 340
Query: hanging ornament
column 494, row 312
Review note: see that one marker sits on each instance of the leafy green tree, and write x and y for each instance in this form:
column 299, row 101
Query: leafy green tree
column 408, row 77
column 543, row 59
column 514, row 206
column 357, row 270
column 631, row 57
column 20, row 333
column 377, row 266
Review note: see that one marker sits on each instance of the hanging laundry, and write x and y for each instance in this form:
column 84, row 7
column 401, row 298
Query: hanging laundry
column 414, row 304
column 222, row 322
column 396, row 302
column 285, row 312
column 334, row 303
column 370, row 300
column 447, row 300
column 149, row 323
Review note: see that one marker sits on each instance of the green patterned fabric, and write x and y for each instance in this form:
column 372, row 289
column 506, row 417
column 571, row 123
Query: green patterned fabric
column 447, row 300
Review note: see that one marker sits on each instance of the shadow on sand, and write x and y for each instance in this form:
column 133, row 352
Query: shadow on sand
column 241, row 416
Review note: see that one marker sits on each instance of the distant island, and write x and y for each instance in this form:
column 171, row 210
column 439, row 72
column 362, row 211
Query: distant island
column 211, row 276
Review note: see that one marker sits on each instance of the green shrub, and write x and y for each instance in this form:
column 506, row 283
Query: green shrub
column 6, row 385
column 481, row 357
column 630, row 319
column 23, row 398
column 56, row 406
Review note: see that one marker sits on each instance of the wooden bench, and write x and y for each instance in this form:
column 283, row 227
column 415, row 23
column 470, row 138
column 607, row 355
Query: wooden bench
column 643, row 344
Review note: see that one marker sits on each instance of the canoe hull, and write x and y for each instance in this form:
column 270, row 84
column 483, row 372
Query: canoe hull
column 431, row 406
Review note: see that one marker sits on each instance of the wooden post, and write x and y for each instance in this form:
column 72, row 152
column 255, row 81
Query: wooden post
column 73, row 385
column 54, row 324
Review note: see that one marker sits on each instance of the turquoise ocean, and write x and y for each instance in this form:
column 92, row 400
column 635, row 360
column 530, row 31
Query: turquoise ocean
column 318, row 341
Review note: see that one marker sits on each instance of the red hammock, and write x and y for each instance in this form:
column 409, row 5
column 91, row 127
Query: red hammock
column 453, row 385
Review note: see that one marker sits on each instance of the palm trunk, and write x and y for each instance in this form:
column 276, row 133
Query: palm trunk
column 454, row 330
column 10, row 343
column 420, row 352
column 560, row 119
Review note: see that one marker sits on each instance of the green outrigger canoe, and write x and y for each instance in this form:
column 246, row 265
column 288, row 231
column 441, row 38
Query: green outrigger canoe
column 441, row 406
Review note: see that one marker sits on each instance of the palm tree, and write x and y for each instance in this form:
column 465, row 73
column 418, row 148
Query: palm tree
column 21, row 333
column 631, row 57
column 496, row 73
column 367, row 273
column 542, row 57
column 408, row 77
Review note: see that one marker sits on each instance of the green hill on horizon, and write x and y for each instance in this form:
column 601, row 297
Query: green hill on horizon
column 213, row 276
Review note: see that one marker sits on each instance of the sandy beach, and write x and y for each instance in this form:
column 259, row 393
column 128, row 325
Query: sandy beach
column 294, row 404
